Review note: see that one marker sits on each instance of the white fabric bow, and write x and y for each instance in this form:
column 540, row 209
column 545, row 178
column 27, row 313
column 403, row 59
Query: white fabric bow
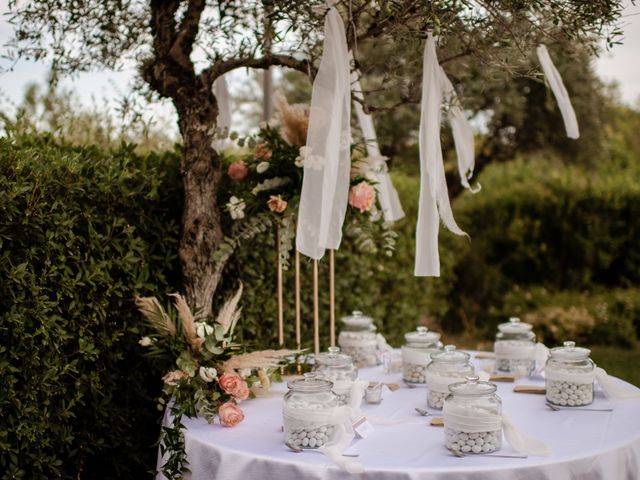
column 434, row 197
column 325, row 185
column 387, row 194
column 560, row 92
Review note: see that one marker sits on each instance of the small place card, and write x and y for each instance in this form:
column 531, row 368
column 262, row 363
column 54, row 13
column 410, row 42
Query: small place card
column 529, row 389
column 363, row 427
column 485, row 355
column 392, row 386
column 437, row 422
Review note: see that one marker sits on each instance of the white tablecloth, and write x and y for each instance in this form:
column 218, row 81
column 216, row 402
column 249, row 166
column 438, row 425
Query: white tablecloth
column 586, row 445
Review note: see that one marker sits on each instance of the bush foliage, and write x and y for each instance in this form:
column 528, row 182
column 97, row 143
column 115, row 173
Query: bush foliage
column 81, row 229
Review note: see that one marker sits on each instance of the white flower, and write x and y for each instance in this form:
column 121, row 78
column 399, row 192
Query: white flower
column 208, row 374
column 145, row 341
column 262, row 167
column 203, row 329
column 304, row 152
column 236, row 207
column 245, row 372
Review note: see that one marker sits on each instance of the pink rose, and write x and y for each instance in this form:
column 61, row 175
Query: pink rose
column 277, row 204
column 262, row 151
column 234, row 385
column 230, row 414
column 173, row 377
column 362, row 196
column 238, row 171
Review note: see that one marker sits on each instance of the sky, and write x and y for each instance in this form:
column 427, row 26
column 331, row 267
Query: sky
column 620, row 65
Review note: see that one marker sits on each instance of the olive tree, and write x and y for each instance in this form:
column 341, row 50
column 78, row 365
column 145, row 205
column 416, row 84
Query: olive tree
column 182, row 46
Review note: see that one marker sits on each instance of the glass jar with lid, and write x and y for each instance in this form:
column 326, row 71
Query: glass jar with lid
column 358, row 339
column 446, row 367
column 515, row 348
column 416, row 354
column 339, row 369
column 473, row 417
column 569, row 376
column 307, row 412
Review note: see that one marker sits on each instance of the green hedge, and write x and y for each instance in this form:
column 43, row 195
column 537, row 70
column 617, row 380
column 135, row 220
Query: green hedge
column 80, row 231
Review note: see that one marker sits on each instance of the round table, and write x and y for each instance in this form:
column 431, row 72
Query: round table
column 586, row 445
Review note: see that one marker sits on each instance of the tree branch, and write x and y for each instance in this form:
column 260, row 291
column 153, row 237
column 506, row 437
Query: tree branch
column 187, row 32
column 224, row 66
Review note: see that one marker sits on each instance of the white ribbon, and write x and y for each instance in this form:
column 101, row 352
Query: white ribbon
column 221, row 92
column 470, row 419
column 387, row 194
column 434, row 197
column 560, row 92
column 325, row 185
column 612, row 389
column 462, row 134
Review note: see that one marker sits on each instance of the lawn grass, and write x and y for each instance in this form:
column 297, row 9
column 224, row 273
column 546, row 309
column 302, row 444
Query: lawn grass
column 619, row 362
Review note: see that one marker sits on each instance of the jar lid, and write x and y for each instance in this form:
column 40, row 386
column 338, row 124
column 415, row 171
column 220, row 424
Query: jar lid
column 514, row 325
column 569, row 352
column 357, row 319
column 310, row 383
column 333, row 358
column 450, row 355
column 472, row 386
column 422, row 335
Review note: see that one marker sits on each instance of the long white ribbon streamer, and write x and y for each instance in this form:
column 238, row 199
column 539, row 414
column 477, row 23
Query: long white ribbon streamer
column 387, row 194
column 434, row 197
column 462, row 134
column 325, row 185
column 223, row 99
column 559, row 91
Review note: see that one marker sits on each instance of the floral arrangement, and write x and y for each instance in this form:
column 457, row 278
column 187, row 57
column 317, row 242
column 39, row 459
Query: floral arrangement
column 209, row 376
column 261, row 187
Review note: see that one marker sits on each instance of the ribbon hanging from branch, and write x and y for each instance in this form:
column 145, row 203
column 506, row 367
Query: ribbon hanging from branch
column 560, row 92
column 223, row 122
column 387, row 194
column 327, row 156
column 462, row 134
column 434, row 197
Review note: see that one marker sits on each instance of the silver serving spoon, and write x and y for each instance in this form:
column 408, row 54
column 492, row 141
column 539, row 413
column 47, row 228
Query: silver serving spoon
column 410, row 385
column 422, row 412
column 556, row 408
column 502, row 455
column 295, row 449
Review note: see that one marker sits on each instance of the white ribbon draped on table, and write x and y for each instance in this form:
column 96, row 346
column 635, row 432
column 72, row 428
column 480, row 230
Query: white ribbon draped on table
column 560, row 92
column 327, row 162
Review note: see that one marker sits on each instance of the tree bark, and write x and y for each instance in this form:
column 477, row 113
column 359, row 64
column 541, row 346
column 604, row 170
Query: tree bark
column 200, row 168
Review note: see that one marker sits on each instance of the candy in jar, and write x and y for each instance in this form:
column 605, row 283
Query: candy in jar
column 569, row 376
column 515, row 347
column 473, row 417
column 339, row 369
column 447, row 367
column 416, row 354
column 307, row 412
column 358, row 339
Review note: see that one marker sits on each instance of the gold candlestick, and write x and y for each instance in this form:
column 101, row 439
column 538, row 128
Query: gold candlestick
column 297, row 267
column 332, row 299
column 280, row 300
column 316, row 328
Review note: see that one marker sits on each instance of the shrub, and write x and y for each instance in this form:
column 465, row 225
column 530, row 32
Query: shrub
column 81, row 230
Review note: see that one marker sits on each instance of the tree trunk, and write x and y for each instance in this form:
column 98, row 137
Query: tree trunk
column 200, row 168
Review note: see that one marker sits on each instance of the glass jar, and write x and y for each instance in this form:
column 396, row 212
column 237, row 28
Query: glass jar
column 416, row 354
column 569, row 376
column 447, row 367
column 515, row 348
column 307, row 412
column 358, row 339
column 473, row 417
column 339, row 369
